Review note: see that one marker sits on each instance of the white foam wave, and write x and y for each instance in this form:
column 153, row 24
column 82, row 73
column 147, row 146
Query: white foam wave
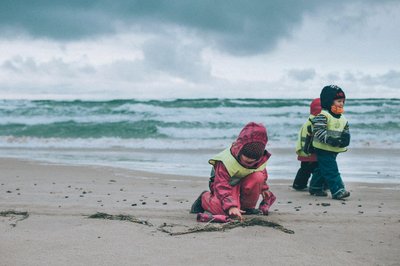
column 160, row 144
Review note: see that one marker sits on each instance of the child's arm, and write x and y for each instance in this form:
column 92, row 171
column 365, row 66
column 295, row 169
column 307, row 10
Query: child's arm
column 320, row 123
column 222, row 188
column 345, row 137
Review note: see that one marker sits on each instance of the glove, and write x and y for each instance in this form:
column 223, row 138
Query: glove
column 268, row 199
column 335, row 142
column 344, row 140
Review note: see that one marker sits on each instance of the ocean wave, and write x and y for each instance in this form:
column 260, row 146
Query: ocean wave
column 197, row 120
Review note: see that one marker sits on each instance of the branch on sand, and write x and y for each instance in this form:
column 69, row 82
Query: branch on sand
column 227, row 226
column 120, row 217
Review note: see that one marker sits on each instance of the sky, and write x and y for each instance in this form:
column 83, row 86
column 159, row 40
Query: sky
column 166, row 49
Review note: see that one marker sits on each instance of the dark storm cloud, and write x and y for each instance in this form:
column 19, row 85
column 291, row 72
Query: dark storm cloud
column 65, row 20
column 236, row 26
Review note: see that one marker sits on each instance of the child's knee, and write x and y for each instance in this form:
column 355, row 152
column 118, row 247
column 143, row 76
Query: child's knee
column 256, row 179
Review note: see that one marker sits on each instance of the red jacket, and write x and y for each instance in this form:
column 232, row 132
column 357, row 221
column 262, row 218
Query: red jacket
column 220, row 187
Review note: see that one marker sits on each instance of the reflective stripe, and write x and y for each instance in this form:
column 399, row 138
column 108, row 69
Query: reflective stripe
column 235, row 169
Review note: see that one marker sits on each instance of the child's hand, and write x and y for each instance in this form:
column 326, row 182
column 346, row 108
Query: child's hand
column 335, row 142
column 236, row 212
column 344, row 140
column 268, row 199
column 266, row 194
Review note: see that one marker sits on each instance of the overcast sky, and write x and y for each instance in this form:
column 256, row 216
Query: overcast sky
column 107, row 49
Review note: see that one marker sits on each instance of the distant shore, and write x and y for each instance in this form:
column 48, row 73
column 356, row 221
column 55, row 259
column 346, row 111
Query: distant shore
column 364, row 230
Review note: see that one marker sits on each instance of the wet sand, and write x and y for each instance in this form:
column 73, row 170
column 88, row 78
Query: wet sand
column 363, row 230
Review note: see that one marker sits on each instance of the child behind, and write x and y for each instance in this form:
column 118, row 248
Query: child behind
column 331, row 136
column 306, row 155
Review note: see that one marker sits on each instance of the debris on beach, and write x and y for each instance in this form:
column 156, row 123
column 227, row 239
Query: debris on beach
column 13, row 213
column 120, row 217
column 209, row 227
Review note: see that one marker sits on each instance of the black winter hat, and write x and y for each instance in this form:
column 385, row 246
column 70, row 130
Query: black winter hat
column 329, row 94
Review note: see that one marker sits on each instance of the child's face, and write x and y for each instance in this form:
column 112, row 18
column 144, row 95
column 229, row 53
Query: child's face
column 246, row 159
column 338, row 103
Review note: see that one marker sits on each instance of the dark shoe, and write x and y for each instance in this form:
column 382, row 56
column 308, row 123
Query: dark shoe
column 318, row 193
column 196, row 206
column 252, row 211
column 341, row 194
column 299, row 187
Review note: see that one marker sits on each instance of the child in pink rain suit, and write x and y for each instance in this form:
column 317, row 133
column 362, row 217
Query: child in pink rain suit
column 239, row 177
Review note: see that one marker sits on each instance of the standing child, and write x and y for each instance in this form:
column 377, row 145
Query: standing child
column 331, row 136
column 304, row 150
column 239, row 177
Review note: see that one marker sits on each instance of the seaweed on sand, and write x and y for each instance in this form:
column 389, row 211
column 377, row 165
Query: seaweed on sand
column 120, row 217
column 209, row 227
column 13, row 213
column 227, row 226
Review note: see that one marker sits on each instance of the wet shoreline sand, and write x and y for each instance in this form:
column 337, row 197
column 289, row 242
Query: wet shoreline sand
column 363, row 230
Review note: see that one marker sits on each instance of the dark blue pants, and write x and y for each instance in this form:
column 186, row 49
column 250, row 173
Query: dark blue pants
column 327, row 171
column 303, row 174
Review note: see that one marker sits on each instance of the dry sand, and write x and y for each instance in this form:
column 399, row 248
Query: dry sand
column 363, row 230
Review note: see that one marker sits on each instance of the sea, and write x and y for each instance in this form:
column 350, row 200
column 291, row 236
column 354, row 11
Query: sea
column 178, row 136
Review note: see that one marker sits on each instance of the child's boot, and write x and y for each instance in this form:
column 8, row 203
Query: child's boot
column 341, row 194
column 196, row 206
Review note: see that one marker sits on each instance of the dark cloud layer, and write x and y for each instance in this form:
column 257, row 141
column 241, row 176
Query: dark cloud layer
column 236, row 26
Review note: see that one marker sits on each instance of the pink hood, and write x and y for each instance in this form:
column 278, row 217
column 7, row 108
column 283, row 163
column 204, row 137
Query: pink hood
column 315, row 106
column 252, row 132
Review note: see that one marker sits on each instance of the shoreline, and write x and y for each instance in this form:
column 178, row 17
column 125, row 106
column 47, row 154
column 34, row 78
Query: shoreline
column 371, row 165
column 362, row 230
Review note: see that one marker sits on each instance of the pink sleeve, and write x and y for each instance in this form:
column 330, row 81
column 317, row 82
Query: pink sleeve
column 265, row 185
column 222, row 188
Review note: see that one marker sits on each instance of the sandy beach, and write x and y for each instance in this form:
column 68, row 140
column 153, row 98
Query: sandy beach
column 56, row 230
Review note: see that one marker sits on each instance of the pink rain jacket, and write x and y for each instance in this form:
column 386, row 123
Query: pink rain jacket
column 221, row 188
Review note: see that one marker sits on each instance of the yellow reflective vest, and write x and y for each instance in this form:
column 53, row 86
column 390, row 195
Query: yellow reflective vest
column 301, row 138
column 235, row 169
column 335, row 127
